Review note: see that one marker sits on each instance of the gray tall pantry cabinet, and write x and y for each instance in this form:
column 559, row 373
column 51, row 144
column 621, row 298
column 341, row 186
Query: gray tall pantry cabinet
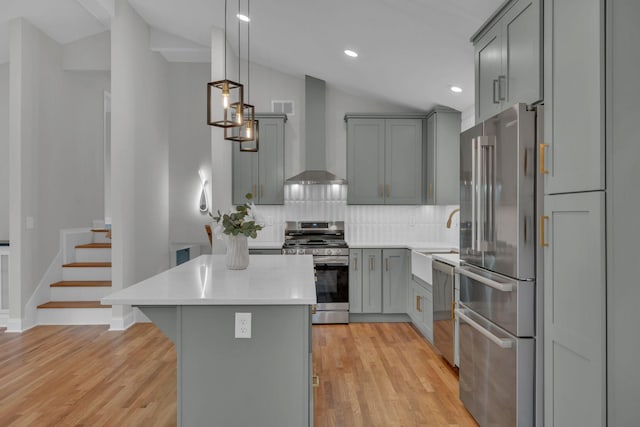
column 572, row 229
column 385, row 159
column 507, row 58
column 261, row 173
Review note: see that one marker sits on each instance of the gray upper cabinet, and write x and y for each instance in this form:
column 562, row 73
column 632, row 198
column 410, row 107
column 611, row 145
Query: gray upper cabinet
column 261, row 173
column 574, row 94
column 508, row 58
column 365, row 161
column 384, row 159
column 443, row 157
column 574, row 310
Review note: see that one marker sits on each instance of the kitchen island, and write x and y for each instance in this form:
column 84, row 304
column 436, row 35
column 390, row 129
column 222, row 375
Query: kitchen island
column 223, row 380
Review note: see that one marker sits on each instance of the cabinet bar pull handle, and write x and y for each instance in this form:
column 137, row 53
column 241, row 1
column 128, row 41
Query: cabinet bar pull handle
column 430, row 192
column 543, row 218
column 502, row 80
column 370, row 263
column 495, row 101
column 525, row 161
column 381, row 190
column 418, row 307
column 386, row 263
column 261, row 190
column 542, row 168
column 355, row 266
column 388, row 190
column 254, row 192
column 524, row 220
column 453, row 310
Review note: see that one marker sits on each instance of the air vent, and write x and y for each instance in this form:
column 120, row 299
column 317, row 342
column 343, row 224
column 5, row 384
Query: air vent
column 285, row 107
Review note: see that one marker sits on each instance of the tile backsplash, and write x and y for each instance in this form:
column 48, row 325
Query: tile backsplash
column 363, row 224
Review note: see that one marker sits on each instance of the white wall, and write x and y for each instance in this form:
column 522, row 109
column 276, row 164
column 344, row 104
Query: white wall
column 189, row 151
column 89, row 53
column 56, row 153
column 4, row 151
column 139, row 155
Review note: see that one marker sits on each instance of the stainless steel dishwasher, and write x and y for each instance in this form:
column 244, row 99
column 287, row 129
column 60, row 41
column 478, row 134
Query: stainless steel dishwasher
column 444, row 309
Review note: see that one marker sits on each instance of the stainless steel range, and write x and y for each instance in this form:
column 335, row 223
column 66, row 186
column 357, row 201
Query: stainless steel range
column 325, row 241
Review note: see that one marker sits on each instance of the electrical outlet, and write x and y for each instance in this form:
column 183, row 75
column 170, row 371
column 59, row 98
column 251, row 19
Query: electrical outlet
column 243, row 325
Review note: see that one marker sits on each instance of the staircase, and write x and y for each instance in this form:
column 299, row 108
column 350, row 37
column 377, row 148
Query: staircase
column 75, row 300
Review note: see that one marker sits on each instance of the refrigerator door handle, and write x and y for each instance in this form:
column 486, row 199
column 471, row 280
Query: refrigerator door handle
column 474, row 189
column 501, row 342
column 503, row 287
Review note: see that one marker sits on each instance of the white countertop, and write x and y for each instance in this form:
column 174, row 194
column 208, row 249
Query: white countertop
column 452, row 259
column 269, row 280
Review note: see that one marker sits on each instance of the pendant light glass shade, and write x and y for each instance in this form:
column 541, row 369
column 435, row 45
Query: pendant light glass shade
column 246, row 130
column 252, row 146
column 232, row 94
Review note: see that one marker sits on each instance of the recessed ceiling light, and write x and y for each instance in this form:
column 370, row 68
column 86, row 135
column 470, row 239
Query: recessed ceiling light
column 243, row 18
column 455, row 89
column 351, row 53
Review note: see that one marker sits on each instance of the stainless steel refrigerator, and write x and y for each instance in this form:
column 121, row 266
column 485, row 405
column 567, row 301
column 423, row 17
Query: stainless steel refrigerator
column 498, row 270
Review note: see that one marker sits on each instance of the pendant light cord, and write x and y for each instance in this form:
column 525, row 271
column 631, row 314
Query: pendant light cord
column 239, row 44
column 248, row 41
column 225, row 39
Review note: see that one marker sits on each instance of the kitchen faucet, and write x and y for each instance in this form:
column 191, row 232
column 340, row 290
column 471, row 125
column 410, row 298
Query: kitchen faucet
column 451, row 216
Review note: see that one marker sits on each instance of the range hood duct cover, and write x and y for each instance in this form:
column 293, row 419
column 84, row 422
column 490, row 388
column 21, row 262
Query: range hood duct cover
column 315, row 137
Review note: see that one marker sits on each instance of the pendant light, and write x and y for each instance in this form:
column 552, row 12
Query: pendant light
column 246, row 132
column 232, row 92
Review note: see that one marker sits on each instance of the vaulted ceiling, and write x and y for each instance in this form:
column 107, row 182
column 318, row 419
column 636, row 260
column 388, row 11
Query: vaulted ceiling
column 410, row 51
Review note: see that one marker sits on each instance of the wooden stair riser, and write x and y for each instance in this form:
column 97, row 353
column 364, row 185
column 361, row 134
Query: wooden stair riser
column 79, row 293
column 100, row 237
column 74, row 316
column 93, row 255
column 86, row 273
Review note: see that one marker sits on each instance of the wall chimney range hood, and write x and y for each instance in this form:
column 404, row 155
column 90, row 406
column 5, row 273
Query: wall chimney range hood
column 315, row 137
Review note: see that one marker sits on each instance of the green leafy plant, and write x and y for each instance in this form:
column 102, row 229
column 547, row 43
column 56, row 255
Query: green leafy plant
column 242, row 220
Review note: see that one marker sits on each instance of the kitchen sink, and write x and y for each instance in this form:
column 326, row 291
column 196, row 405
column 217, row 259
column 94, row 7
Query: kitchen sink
column 421, row 262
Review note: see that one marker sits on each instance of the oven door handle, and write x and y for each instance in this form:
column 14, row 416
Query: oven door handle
column 331, row 260
column 504, row 287
column 500, row 342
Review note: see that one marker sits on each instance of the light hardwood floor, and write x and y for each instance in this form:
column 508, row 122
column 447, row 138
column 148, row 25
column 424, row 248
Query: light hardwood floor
column 381, row 374
column 385, row 375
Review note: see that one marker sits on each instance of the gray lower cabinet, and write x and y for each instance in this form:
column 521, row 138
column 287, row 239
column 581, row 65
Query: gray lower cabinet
column 395, row 277
column 378, row 280
column 384, row 159
column 574, row 96
column 575, row 310
column 420, row 307
column 508, row 58
column 443, row 157
column 355, row 280
column 261, row 173
column 372, row 281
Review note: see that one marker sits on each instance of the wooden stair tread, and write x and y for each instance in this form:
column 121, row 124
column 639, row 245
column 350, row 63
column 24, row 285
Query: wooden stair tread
column 83, row 283
column 73, row 304
column 88, row 264
column 94, row 246
column 100, row 230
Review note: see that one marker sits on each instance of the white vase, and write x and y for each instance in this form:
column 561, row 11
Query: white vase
column 237, row 252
